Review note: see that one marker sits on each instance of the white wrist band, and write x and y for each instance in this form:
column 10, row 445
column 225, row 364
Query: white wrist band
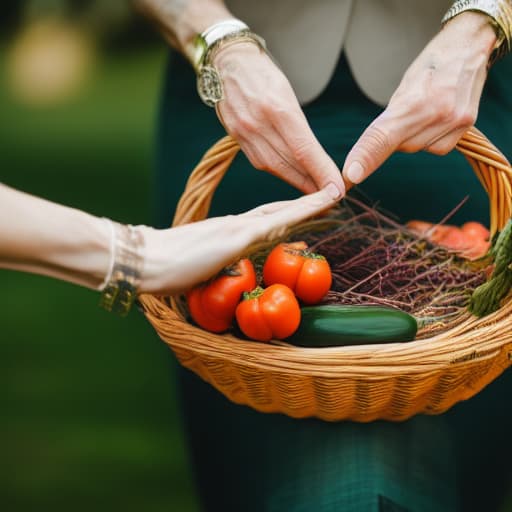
column 201, row 50
column 222, row 29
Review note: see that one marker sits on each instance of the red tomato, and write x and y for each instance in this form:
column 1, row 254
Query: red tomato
column 212, row 305
column 201, row 316
column 273, row 313
column 222, row 295
column 453, row 238
column 306, row 273
column 419, row 227
column 438, row 232
column 475, row 230
column 471, row 240
column 477, row 249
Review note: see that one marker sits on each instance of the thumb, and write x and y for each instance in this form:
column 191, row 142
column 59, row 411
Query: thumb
column 373, row 148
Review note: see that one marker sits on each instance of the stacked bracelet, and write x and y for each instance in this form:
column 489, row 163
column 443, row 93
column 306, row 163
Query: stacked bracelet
column 119, row 290
column 206, row 45
column 500, row 17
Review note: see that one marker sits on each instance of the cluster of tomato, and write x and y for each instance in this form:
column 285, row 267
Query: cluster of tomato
column 471, row 240
column 291, row 273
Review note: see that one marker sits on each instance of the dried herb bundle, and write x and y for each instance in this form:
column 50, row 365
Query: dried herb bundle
column 375, row 260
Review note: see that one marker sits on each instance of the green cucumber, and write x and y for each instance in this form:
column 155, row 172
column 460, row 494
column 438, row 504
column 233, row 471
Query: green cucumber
column 336, row 325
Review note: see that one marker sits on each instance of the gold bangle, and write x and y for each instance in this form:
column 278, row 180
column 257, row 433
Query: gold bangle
column 242, row 37
column 206, row 45
column 209, row 83
column 197, row 49
column 122, row 283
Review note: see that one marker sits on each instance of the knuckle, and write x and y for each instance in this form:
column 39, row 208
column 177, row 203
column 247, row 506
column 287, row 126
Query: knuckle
column 258, row 164
column 244, row 124
column 465, row 118
column 406, row 102
column 254, row 159
column 410, row 147
column 278, row 166
column 446, row 113
column 275, row 233
column 378, row 143
column 416, row 101
column 440, row 148
column 301, row 151
column 270, row 107
column 455, row 117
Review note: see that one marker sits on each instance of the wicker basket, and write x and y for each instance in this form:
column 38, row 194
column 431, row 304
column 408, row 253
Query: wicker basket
column 391, row 381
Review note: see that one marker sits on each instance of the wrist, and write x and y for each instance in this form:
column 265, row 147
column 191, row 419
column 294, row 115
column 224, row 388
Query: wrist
column 122, row 281
column 152, row 268
column 206, row 47
column 180, row 20
column 82, row 256
column 242, row 50
column 487, row 24
column 196, row 19
column 474, row 28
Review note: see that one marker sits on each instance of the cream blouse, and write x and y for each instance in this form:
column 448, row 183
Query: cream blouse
column 380, row 38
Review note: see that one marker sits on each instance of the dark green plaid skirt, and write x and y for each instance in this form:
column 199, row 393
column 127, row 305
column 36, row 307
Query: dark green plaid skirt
column 245, row 461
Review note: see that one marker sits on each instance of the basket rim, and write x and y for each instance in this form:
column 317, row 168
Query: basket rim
column 472, row 338
column 415, row 356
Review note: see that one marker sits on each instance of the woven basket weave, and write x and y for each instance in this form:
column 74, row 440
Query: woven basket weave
column 391, row 381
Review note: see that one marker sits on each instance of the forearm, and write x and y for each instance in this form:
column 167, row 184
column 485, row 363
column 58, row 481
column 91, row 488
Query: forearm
column 180, row 20
column 46, row 238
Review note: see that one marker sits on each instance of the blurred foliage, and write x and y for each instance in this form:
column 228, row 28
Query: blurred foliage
column 89, row 417
column 114, row 23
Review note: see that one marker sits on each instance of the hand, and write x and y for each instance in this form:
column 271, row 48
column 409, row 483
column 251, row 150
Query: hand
column 436, row 102
column 261, row 112
column 178, row 258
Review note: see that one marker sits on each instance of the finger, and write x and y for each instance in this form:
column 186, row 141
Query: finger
column 218, row 111
column 320, row 199
column 299, row 210
column 284, row 161
column 262, row 151
column 450, row 122
column 264, row 156
column 373, row 148
column 306, row 206
column 296, row 151
column 272, row 219
column 306, row 152
column 446, row 143
column 424, row 138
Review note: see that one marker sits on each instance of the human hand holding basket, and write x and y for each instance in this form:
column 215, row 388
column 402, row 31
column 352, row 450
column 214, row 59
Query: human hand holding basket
column 392, row 381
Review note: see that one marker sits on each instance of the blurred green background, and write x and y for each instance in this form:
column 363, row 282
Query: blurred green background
column 88, row 413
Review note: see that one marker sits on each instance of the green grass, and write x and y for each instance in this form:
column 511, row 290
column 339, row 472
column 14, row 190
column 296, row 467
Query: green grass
column 89, row 418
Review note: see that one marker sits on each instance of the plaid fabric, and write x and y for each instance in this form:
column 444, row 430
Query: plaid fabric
column 256, row 462
column 386, row 505
column 246, row 461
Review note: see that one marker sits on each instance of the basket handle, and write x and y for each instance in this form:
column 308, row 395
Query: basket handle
column 489, row 164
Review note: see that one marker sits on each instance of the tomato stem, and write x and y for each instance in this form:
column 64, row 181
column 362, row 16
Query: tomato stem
column 254, row 294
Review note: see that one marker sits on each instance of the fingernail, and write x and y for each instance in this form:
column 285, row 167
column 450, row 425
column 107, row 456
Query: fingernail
column 355, row 172
column 333, row 191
